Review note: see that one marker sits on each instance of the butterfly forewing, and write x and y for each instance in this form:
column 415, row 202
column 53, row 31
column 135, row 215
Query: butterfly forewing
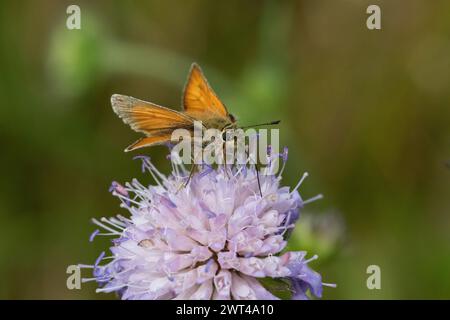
column 199, row 100
column 147, row 117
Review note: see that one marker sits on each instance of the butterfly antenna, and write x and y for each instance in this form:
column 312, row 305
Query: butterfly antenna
column 263, row 124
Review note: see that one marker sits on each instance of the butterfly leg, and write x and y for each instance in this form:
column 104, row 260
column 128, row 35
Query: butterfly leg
column 257, row 178
column 191, row 173
column 184, row 184
column 224, row 153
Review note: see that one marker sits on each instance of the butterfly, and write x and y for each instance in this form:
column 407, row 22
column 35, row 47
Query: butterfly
column 200, row 103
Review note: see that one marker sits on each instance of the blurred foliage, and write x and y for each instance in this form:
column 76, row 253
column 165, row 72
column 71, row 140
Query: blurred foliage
column 365, row 112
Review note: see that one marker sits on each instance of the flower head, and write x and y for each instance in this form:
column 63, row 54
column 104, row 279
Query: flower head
column 209, row 236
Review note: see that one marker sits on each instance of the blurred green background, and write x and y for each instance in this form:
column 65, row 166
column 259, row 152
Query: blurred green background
column 365, row 112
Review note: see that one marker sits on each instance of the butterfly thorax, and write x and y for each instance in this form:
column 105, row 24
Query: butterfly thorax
column 219, row 123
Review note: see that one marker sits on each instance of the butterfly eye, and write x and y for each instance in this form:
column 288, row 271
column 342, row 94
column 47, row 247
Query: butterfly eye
column 232, row 118
column 224, row 135
column 228, row 135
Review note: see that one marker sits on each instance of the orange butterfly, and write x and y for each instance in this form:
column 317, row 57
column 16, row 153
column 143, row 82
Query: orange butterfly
column 200, row 103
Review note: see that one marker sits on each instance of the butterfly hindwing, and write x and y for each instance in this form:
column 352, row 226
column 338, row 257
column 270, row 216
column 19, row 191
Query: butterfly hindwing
column 149, row 141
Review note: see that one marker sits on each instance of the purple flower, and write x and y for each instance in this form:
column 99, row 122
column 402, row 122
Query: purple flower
column 212, row 237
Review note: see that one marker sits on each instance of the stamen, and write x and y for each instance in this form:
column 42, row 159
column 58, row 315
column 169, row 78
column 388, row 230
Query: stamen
column 106, row 234
column 122, row 218
column 138, row 193
column 144, row 159
column 331, row 285
column 111, row 223
column 318, row 197
column 115, row 186
column 118, row 222
column 125, row 199
column 288, row 219
column 146, row 164
column 100, row 258
column 135, row 184
column 286, row 228
column 95, row 221
column 154, row 169
column 314, row 257
column 306, row 174
column 284, row 156
column 109, row 257
column 98, row 290
column 84, row 280
column 93, row 235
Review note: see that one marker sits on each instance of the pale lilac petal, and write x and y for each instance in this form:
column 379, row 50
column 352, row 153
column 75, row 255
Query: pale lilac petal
column 206, row 271
column 204, row 291
column 261, row 292
column 228, row 260
column 241, row 290
column 177, row 241
column 201, row 253
column 222, row 285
